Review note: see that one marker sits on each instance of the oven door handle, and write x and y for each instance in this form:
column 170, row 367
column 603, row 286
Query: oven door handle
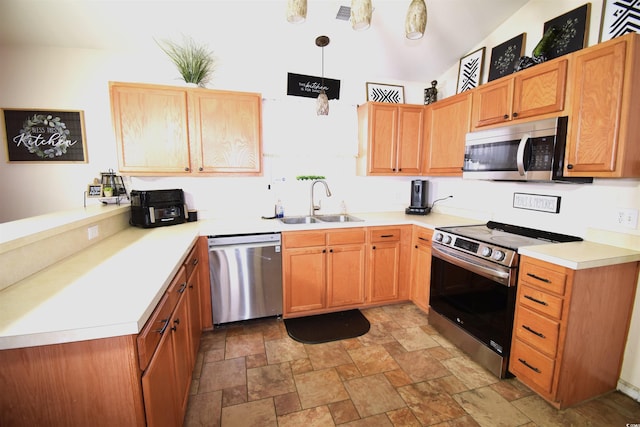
column 520, row 154
column 460, row 259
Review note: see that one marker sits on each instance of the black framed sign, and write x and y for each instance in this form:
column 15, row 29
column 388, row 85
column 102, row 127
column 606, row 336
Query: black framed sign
column 505, row 56
column 44, row 135
column 574, row 31
column 309, row 86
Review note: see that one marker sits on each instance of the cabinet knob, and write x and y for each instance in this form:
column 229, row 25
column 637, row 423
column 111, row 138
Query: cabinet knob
column 200, row 168
column 416, row 246
column 506, row 116
column 569, row 166
column 186, row 169
column 373, row 247
column 515, row 114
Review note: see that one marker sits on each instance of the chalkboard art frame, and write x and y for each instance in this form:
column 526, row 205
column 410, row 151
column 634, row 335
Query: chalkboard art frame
column 44, row 135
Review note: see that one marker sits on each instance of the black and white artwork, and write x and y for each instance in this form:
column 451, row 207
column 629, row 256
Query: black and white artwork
column 573, row 31
column 470, row 70
column 378, row 92
column 505, row 56
column 619, row 17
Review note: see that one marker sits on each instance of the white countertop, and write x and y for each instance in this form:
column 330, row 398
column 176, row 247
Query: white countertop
column 111, row 288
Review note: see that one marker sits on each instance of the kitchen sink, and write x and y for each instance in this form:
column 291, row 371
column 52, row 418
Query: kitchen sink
column 339, row 218
column 299, row 220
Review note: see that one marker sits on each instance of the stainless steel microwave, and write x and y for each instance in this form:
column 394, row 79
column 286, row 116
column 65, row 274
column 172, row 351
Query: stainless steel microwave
column 532, row 151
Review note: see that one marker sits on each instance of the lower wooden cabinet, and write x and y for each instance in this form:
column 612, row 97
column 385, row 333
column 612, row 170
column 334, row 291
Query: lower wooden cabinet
column 388, row 264
column 421, row 266
column 570, row 329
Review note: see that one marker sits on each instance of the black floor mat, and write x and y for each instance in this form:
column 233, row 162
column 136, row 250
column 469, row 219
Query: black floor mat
column 327, row 327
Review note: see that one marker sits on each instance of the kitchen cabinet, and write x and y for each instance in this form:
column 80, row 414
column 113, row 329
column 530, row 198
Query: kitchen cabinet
column 538, row 91
column 390, row 138
column 388, row 264
column 570, row 329
column 446, row 125
column 194, row 287
column 323, row 270
column 166, row 130
column 421, row 266
column 603, row 124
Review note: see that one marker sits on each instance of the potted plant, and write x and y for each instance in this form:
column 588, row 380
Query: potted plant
column 107, row 191
column 194, row 62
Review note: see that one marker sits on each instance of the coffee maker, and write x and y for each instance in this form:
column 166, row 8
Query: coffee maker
column 419, row 198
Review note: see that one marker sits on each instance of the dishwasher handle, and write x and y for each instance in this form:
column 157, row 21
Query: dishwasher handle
column 244, row 240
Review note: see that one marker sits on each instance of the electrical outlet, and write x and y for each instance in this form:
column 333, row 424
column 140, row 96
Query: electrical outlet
column 627, row 218
column 92, row 232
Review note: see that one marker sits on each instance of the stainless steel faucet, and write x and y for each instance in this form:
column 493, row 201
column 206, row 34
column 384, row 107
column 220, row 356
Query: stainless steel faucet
column 313, row 208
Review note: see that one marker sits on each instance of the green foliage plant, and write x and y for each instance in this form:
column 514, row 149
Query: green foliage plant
column 194, row 61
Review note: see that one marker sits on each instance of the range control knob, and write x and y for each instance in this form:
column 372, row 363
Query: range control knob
column 486, row 251
column 438, row 237
column 498, row 255
column 447, row 239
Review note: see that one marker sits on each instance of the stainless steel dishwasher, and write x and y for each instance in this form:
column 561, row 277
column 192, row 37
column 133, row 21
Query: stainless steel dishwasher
column 246, row 276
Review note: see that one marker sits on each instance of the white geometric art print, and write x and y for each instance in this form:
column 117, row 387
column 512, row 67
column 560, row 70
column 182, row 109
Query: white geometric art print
column 470, row 70
column 378, row 92
column 619, row 17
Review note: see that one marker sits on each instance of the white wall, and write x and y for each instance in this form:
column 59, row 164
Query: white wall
column 296, row 142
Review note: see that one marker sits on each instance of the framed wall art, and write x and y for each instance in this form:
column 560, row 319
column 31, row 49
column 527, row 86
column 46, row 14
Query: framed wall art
column 44, row 135
column 505, row 56
column 619, row 17
column 470, row 70
column 573, row 29
column 379, row 92
column 94, row 190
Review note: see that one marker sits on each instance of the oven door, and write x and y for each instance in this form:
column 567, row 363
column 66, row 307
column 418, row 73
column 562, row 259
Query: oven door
column 476, row 294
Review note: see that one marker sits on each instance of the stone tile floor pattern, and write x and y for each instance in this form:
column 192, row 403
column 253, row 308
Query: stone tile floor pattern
column 401, row 373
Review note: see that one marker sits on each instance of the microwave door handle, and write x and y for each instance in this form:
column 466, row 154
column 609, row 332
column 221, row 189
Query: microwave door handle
column 520, row 154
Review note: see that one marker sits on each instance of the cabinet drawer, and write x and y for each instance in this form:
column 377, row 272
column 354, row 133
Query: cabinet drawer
column 537, row 331
column 150, row 335
column 531, row 367
column 543, row 302
column 341, row 237
column 385, row 235
column 544, row 278
column 303, row 239
column 192, row 261
column 422, row 236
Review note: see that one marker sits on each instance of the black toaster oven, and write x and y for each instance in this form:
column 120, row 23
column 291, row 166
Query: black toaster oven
column 157, row 208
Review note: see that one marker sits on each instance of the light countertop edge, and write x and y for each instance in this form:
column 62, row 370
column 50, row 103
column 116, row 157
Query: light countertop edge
column 581, row 255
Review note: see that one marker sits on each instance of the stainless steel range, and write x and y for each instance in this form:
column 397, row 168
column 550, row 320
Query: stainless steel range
column 474, row 271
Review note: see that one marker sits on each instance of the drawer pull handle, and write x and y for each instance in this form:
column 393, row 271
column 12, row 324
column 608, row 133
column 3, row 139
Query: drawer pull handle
column 424, row 239
column 164, row 326
column 537, row 301
column 533, row 368
column 194, row 262
column 542, row 279
column 386, row 235
column 534, row 332
column 183, row 286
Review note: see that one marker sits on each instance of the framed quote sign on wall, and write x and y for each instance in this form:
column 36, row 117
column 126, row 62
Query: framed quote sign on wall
column 44, row 135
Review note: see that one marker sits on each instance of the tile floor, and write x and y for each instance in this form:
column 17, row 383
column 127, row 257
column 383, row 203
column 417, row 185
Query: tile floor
column 401, row 373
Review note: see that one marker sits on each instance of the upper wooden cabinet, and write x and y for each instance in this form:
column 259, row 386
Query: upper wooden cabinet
column 390, row 138
column 446, row 126
column 165, row 130
column 534, row 92
column 603, row 123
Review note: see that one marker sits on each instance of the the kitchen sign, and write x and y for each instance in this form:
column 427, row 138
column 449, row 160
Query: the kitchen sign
column 309, row 86
column 44, row 135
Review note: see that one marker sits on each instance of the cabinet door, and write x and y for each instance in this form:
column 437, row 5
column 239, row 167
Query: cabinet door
column 345, row 275
column 410, row 139
column 421, row 268
column 227, row 131
column 304, row 278
column 594, row 127
column 540, row 90
column 447, row 124
column 384, row 259
column 158, row 386
column 383, row 138
column 151, row 129
column 181, row 354
column 492, row 103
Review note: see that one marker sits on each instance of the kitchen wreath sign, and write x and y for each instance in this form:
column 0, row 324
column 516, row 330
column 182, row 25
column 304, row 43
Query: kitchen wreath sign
column 44, row 135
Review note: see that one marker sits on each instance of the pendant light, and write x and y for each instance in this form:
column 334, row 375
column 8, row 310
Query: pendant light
column 360, row 14
column 416, row 20
column 322, row 104
column 296, row 11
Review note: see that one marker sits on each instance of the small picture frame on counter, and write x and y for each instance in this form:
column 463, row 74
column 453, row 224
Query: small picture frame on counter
column 94, row 190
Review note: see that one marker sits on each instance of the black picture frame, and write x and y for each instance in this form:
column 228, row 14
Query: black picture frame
column 381, row 92
column 44, row 135
column 574, row 31
column 619, row 17
column 505, row 56
column 470, row 70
